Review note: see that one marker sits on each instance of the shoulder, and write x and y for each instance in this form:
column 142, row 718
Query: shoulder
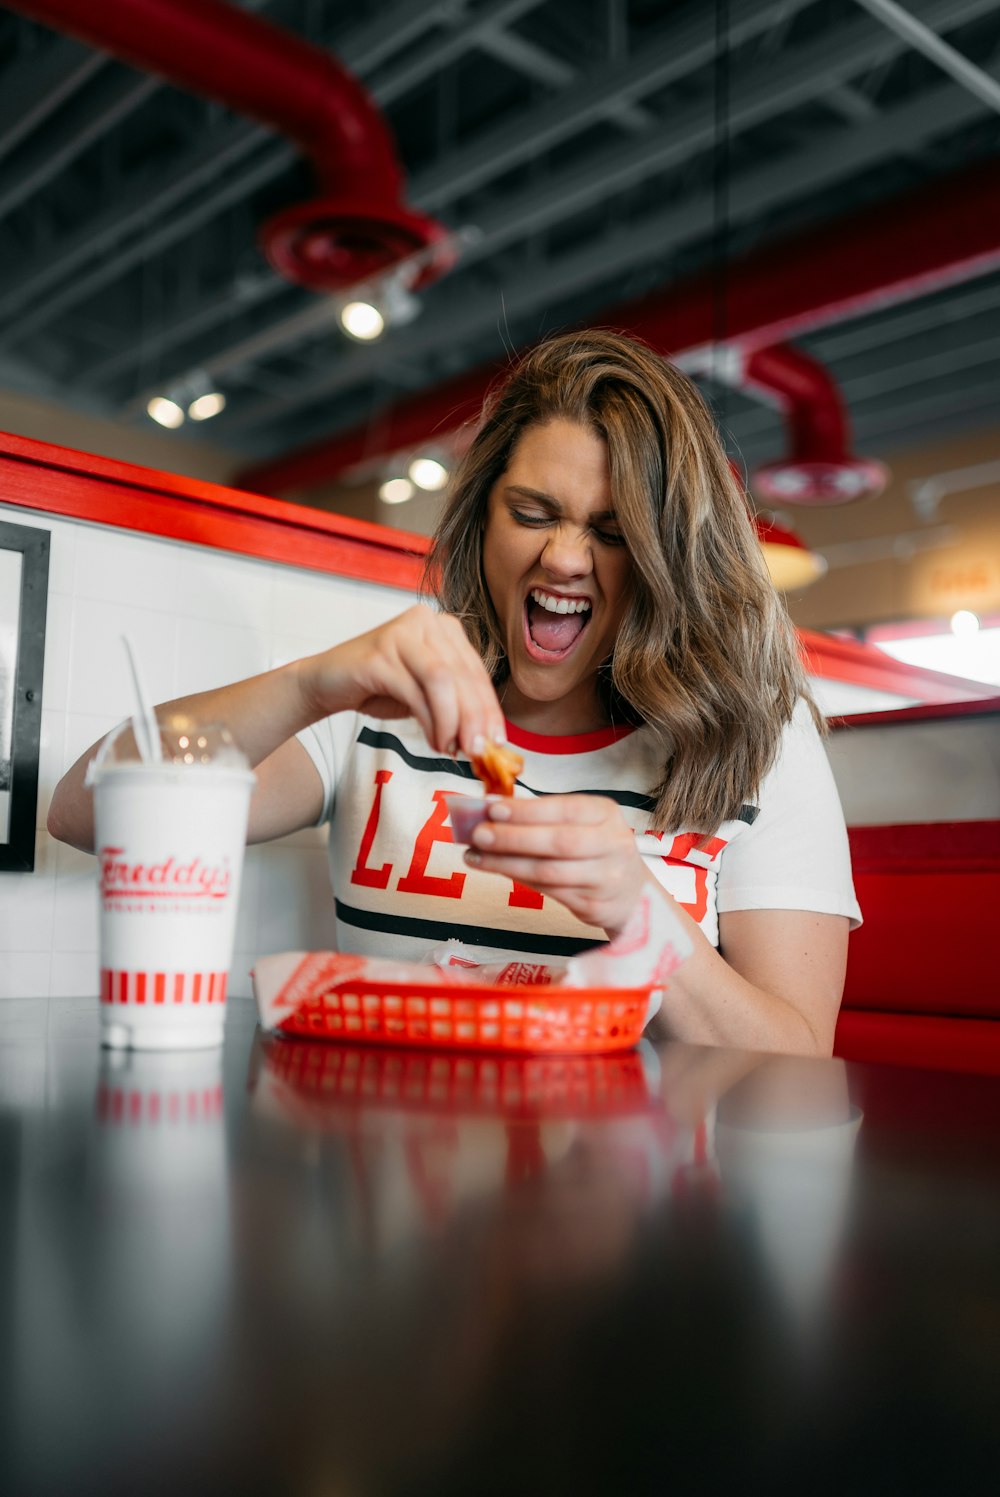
column 801, row 751
column 798, row 793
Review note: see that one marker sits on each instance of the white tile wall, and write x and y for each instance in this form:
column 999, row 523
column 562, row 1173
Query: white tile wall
column 197, row 618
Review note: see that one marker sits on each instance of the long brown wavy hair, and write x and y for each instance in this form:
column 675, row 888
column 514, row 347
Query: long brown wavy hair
column 706, row 655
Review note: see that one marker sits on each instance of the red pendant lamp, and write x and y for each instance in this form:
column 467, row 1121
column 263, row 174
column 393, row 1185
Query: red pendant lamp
column 790, row 562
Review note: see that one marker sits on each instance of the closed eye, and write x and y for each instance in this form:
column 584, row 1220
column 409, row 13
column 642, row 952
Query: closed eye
column 536, row 521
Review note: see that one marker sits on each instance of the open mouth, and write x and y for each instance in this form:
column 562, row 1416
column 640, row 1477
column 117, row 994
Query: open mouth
column 553, row 624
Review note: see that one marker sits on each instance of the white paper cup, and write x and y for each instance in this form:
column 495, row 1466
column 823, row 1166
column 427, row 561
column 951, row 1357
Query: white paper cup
column 169, row 843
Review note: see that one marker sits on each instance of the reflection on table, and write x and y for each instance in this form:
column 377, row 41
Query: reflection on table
column 301, row 1267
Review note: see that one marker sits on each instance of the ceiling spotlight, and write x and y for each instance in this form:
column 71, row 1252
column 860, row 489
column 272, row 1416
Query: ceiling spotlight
column 362, row 320
column 166, row 412
column 396, row 491
column 964, row 623
column 428, row 473
column 203, row 407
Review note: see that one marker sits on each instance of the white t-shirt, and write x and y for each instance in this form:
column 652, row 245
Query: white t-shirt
column 401, row 886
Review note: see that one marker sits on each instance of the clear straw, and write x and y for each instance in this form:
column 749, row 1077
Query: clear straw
column 144, row 723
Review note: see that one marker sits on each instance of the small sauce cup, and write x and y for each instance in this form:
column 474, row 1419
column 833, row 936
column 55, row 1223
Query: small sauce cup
column 465, row 812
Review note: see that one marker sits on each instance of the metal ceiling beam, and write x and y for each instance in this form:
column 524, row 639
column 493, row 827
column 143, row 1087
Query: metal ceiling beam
column 371, row 43
column 362, row 49
column 106, row 272
column 755, row 192
column 884, row 424
column 757, row 96
column 924, row 39
column 442, row 51
column 130, row 213
column 212, row 311
column 941, row 364
column 637, row 242
column 42, row 84
column 94, row 121
column 528, row 58
column 684, row 47
column 88, row 115
column 855, row 106
column 906, row 322
column 687, row 46
column 773, row 294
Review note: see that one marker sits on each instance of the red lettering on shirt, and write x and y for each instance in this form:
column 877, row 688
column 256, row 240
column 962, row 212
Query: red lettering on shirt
column 372, row 878
column 697, row 908
column 523, row 898
column 682, row 845
column 417, row 880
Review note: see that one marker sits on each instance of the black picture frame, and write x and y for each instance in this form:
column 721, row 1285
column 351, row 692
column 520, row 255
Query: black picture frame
column 22, row 615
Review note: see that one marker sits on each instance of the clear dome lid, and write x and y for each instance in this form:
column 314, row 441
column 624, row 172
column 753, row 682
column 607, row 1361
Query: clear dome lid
column 184, row 743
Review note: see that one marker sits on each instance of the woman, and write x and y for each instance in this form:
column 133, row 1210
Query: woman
column 607, row 611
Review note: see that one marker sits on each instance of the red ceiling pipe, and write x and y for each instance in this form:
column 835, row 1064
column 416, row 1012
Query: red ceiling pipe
column 893, row 253
column 360, row 226
column 819, row 468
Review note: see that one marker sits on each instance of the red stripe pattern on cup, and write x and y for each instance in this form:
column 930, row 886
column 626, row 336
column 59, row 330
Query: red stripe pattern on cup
column 147, row 989
column 120, row 1105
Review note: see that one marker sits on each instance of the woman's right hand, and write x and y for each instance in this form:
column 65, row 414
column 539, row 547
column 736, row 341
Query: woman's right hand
column 419, row 664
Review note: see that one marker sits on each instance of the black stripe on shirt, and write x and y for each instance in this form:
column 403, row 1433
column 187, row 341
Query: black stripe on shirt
column 474, row 935
column 427, row 764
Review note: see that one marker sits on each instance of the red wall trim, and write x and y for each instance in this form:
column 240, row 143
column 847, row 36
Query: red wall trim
column 81, row 486
column 839, row 659
column 988, row 706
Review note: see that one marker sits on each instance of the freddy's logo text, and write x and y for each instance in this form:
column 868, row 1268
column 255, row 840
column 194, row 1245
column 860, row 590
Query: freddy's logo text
column 191, row 878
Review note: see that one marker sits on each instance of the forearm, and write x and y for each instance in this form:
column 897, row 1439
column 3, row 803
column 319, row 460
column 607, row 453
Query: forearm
column 707, row 1002
column 261, row 712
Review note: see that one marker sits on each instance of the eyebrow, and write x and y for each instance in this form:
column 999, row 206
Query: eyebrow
column 553, row 504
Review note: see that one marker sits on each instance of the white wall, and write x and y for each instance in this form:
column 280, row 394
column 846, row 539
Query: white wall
column 198, row 617
column 939, row 770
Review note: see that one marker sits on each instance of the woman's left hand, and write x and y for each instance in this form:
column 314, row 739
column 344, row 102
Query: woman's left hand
column 577, row 848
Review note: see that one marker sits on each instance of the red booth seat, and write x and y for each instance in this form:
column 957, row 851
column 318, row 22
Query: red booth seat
column 923, row 973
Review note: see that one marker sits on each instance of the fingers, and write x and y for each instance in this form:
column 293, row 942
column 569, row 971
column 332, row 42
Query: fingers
column 572, row 844
column 566, row 875
column 421, row 664
column 555, row 810
column 576, row 848
column 458, row 702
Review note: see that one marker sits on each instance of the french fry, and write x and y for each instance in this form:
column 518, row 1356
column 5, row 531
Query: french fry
column 497, row 767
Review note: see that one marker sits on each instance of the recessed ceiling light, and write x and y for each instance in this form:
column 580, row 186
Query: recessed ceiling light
column 166, row 412
column 207, row 405
column 363, row 320
column 396, row 491
column 428, row 473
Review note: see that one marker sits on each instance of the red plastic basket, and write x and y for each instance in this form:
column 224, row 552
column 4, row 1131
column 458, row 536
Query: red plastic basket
column 520, row 1020
column 327, row 1079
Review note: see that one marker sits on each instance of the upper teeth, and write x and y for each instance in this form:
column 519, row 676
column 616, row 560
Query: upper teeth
column 559, row 605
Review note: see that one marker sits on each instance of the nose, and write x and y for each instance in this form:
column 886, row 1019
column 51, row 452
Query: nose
column 567, row 552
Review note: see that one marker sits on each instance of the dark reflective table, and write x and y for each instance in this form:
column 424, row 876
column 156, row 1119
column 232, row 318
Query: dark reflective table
column 300, row 1269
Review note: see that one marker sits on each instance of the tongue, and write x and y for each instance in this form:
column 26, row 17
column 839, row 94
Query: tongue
column 553, row 631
